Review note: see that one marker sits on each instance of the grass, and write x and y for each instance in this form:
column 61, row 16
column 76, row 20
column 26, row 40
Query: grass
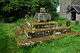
column 68, row 44
column 7, row 38
column 76, row 28
column 8, row 28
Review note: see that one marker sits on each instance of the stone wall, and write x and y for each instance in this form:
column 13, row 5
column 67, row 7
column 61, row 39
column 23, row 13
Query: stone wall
column 63, row 7
column 75, row 2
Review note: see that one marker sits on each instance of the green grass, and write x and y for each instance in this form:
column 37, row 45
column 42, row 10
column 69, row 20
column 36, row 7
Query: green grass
column 8, row 28
column 7, row 38
column 68, row 44
column 76, row 28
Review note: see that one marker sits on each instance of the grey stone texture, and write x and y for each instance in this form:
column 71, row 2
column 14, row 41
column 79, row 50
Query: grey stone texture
column 63, row 8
